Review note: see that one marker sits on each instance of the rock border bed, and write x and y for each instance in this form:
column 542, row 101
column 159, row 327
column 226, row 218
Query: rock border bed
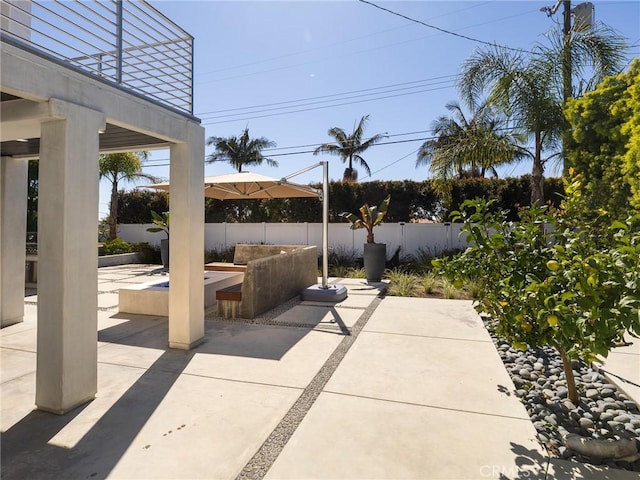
column 604, row 417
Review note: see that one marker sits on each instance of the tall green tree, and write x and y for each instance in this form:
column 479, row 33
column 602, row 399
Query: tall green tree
column 605, row 143
column 118, row 167
column 350, row 147
column 469, row 147
column 240, row 150
column 528, row 86
column 32, row 196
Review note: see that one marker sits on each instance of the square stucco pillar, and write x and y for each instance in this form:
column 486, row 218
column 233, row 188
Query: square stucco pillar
column 186, row 258
column 66, row 374
column 13, row 226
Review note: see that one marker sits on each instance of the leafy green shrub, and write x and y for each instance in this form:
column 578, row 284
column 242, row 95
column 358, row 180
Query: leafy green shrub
column 411, row 201
column 554, row 277
column 115, row 246
column 149, row 254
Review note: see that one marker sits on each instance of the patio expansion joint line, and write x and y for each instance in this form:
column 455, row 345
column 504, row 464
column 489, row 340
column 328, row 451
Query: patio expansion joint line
column 426, row 405
column 246, row 382
column 16, row 349
column 267, row 454
column 475, row 340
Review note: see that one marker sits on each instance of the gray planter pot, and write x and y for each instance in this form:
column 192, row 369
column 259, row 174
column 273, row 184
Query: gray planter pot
column 375, row 259
column 164, row 252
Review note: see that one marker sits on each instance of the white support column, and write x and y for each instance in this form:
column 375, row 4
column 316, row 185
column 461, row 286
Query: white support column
column 66, row 373
column 186, row 258
column 13, row 226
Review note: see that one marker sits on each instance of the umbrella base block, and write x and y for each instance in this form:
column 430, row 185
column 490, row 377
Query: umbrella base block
column 332, row 293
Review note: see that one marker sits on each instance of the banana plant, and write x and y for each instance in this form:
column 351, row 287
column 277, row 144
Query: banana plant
column 162, row 222
column 369, row 217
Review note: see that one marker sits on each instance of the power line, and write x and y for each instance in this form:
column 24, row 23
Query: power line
column 323, row 47
column 392, row 163
column 320, row 102
column 201, row 114
column 365, row 50
column 449, row 32
column 330, row 106
column 395, row 142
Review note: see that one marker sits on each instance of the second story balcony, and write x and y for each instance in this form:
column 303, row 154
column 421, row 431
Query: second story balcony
column 125, row 43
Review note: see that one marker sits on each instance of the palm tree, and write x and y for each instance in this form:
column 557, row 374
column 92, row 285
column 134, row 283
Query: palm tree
column 350, row 147
column 240, row 151
column 528, row 86
column 469, row 147
column 116, row 167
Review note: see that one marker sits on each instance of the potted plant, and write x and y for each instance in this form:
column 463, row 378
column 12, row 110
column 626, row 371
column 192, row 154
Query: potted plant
column 162, row 222
column 375, row 254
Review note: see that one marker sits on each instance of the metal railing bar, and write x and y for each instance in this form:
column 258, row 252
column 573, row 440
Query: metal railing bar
column 42, row 33
column 150, row 36
column 168, row 20
column 65, row 19
column 20, row 43
column 132, row 50
column 65, row 32
column 157, row 12
column 148, row 29
column 100, row 4
column 127, row 74
column 141, row 59
column 151, row 88
column 152, row 74
column 153, row 54
column 156, row 41
column 101, row 27
column 167, row 69
column 159, row 69
column 47, row 48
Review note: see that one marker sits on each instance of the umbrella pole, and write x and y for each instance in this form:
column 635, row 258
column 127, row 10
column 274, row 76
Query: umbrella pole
column 325, row 223
column 323, row 292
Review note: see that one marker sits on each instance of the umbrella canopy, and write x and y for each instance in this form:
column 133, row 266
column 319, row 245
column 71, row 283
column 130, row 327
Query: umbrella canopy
column 247, row 185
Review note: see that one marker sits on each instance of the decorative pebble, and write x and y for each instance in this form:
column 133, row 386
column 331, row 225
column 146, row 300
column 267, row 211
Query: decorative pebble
column 602, row 412
column 586, row 422
column 622, row 418
column 592, row 393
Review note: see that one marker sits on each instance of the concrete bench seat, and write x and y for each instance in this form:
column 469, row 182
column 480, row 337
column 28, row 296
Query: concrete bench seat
column 224, row 267
column 273, row 274
column 229, row 299
column 152, row 298
column 234, row 292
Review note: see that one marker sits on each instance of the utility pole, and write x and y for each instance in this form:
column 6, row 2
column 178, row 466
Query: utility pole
column 583, row 18
column 566, row 60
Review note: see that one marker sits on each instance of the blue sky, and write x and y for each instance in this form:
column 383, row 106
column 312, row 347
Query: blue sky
column 291, row 70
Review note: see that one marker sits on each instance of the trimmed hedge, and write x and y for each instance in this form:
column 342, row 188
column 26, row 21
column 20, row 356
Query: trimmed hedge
column 410, row 201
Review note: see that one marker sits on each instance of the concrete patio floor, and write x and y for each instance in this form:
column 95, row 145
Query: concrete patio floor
column 370, row 388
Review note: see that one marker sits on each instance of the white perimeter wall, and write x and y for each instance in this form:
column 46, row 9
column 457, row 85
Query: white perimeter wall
column 433, row 238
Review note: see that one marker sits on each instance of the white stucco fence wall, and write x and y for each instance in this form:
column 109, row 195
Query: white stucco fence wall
column 432, row 238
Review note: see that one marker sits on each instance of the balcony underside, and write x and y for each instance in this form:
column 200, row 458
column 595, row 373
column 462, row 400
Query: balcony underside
column 114, row 139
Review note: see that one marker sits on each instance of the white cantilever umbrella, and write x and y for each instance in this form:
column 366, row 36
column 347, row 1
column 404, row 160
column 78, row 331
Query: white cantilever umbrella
column 247, row 185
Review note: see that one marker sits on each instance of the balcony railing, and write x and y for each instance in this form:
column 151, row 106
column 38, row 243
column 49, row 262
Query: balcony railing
column 128, row 43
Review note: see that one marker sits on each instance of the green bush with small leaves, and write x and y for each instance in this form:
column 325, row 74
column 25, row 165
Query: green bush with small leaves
column 115, row 246
column 553, row 277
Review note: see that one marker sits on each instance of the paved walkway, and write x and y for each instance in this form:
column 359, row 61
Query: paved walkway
column 371, row 388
